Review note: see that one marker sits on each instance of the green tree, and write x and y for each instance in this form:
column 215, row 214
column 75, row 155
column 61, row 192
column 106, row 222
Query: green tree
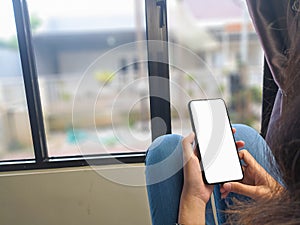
column 12, row 42
column 35, row 22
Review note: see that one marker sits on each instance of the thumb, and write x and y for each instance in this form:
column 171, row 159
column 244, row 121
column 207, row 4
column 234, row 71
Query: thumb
column 187, row 147
column 240, row 188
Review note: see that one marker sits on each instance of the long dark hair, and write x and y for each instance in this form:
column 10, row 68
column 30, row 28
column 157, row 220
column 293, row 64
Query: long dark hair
column 283, row 208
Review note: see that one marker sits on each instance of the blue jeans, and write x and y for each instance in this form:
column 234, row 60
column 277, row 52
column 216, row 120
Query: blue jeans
column 164, row 175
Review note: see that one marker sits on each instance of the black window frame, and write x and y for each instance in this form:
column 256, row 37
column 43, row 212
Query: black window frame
column 155, row 30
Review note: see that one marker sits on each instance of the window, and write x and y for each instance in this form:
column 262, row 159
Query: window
column 92, row 81
column 96, row 75
column 216, row 54
column 15, row 135
column 85, row 80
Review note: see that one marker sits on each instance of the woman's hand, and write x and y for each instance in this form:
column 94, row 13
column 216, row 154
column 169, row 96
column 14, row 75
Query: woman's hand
column 257, row 183
column 195, row 194
column 193, row 181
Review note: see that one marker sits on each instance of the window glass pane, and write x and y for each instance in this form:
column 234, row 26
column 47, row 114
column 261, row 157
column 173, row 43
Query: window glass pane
column 15, row 134
column 93, row 84
column 217, row 54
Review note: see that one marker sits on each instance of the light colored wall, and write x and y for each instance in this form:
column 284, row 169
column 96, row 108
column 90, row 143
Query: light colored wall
column 10, row 63
column 74, row 196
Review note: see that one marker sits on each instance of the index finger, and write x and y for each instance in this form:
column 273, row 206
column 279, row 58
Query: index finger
column 233, row 130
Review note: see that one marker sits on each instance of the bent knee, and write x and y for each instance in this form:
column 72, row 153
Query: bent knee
column 246, row 133
column 162, row 147
column 243, row 127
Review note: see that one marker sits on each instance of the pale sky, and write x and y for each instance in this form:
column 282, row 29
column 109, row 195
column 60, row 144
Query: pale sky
column 78, row 15
column 47, row 9
column 7, row 25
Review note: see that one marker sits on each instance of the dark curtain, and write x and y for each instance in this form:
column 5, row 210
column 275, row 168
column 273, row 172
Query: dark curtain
column 277, row 25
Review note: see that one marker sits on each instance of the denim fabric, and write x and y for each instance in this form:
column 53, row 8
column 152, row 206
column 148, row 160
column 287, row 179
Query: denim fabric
column 164, row 175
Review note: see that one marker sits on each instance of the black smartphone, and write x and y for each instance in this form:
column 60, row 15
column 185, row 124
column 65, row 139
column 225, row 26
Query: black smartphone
column 215, row 141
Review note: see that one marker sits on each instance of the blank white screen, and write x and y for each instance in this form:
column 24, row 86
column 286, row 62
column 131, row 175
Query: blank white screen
column 216, row 143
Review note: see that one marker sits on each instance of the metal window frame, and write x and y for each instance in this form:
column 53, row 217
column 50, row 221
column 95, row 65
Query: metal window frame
column 73, row 161
column 30, row 77
column 30, row 80
column 157, row 30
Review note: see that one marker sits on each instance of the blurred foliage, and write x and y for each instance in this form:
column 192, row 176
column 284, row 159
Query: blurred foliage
column 133, row 118
column 256, row 94
column 222, row 88
column 15, row 145
column 12, row 42
column 240, row 105
column 35, row 22
column 174, row 113
column 104, row 77
column 190, row 77
column 65, row 96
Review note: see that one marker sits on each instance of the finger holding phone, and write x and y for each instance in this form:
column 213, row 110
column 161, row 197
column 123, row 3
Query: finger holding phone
column 256, row 184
